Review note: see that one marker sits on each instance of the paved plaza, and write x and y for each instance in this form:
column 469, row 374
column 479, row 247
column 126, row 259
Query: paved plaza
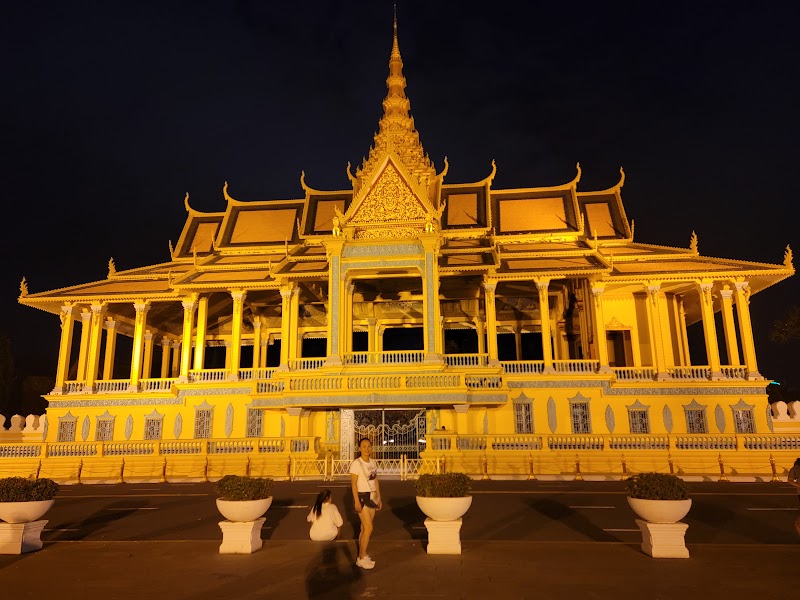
column 520, row 540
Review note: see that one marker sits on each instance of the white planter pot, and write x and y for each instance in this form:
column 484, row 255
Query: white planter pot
column 660, row 511
column 241, row 511
column 24, row 512
column 444, row 509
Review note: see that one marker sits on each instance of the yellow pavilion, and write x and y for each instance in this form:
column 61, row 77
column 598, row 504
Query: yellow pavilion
column 500, row 332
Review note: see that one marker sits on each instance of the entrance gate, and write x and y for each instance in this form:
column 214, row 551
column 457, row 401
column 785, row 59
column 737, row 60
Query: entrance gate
column 393, row 432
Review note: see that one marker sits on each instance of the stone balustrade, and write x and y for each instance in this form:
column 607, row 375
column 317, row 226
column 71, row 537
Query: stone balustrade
column 22, row 429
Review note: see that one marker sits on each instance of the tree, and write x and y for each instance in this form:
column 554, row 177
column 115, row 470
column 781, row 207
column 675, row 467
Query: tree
column 787, row 330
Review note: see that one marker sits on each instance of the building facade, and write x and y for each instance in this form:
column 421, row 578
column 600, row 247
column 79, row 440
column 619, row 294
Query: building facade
column 508, row 331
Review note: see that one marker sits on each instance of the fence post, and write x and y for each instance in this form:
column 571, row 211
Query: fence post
column 164, row 471
column 722, row 476
column 80, row 468
column 671, row 464
column 578, row 476
column 485, row 467
column 531, row 476
column 771, row 462
column 624, row 469
column 39, row 467
column 122, row 472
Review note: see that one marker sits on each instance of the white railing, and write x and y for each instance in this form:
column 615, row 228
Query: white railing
column 634, row 373
column 203, row 375
column 519, row 367
column 705, row 442
column 576, row 366
column 74, row 387
column 157, row 385
column 689, row 373
column 315, row 384
column 259, row 374
column 112, row 386
column 638, row 442
column 270, row 387
column 306, row 364
column 398, row 357
column 771, row 442
column 375, row 382
column 516, row 442
column 466, row 360
column 478, row 382
column 128, row 448
column 575, row 442
column 20, row 450
column 432, row 381
column 734, row 372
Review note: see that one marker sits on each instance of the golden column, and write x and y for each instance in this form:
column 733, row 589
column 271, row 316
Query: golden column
column 334, row 304
column 729, row 326
column 186, row 338
column 489, row 288
column 600, row 343
column 93, row 354
column 238, row 297
column 111, row 347
column 683, row 333
column 86, row 328
column 200, row 335
column 657, row 322
column 165, row 346
column 480, row 330
column 256, row 343
column 746, row 329
column 709, row 328
column 543, row 285
column 371, row 334
column 176, row 358
column 137, row 357
column 289, row 293
column 432, row 332
column 347, row 330
column 147, row 365
column 65, row 347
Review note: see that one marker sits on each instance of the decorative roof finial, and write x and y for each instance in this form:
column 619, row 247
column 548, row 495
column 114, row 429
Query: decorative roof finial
column 112, row 268
column 23, row 288
column 171, row 249
column 633, row 227
column 186, row 203
column 693, row 243
column 787, row 257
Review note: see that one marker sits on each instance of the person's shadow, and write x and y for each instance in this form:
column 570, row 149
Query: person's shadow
column 333, row 573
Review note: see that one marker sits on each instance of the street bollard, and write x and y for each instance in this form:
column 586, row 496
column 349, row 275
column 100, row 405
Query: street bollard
column 624, row 469
column 122, row 472
column 531, row 476
column 80, row 468
column 671, row 464
column 164, row 471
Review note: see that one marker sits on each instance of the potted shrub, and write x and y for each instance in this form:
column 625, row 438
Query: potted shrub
column 444, row 496
column 25, row 500
column 660, row 501
column 658, row 497
column 242, row 499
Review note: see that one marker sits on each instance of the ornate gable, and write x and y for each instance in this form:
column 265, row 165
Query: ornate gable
column 390, row 199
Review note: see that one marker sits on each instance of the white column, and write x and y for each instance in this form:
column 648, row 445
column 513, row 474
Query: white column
column 729, row 326
column 710, row 329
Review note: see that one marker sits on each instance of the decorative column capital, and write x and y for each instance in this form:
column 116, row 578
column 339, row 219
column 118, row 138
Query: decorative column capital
column 141, row 307
column 111, row 324
column 542, row 284
column 67, row 309
column 165, row 341
column 489, row 287
column 86, row 315
column 239, row 295
column 743, row 287
column 257, row 324
column 705, row 292
column 652, row 291
column 597, row 292
column 726, row 293
column 148, row 335
column 98, row 309
column 188, row 305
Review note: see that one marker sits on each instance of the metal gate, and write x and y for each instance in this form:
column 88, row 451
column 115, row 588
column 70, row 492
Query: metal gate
column 393, row 432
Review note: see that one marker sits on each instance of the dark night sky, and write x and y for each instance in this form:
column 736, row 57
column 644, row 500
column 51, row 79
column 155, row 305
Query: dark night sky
column 112, row 111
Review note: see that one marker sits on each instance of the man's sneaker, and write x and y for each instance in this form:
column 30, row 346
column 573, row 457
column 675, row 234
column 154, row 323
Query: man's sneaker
column 365, row 563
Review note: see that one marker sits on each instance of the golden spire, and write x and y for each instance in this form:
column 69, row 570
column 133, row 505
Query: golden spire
column 396, row 129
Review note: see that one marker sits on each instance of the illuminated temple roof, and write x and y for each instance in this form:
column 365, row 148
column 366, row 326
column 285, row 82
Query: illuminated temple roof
column 396, row 194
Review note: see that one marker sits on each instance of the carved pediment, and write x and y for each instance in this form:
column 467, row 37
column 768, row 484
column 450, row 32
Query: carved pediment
column 389, row 199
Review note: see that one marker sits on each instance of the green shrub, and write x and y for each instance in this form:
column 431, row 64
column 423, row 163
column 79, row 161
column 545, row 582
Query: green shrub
column 237, row 487
column 657, row 486
column 443, row 485
column 21, row 489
